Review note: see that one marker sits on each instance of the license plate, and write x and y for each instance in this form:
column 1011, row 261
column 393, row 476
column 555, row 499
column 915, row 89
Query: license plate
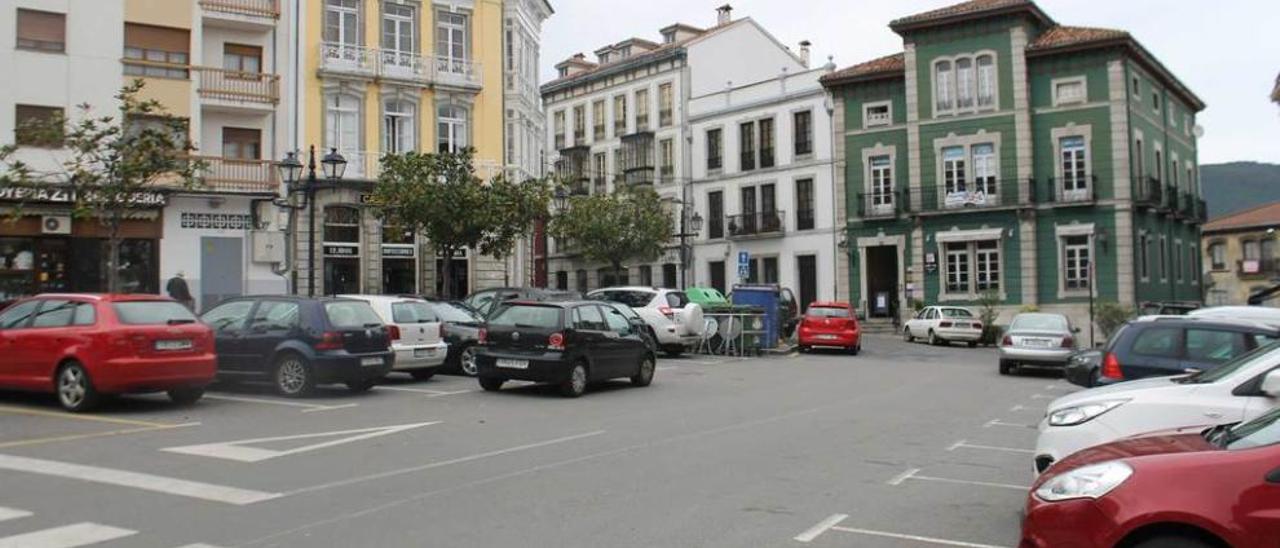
column 827, row 337
column 422, row 352
column 369, row 362
column 173, row 345
column 513, row 364
column 1036, row 342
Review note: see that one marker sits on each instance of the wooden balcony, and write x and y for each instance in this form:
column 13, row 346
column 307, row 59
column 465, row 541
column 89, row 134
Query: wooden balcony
column 240, row 176
column 234, row 86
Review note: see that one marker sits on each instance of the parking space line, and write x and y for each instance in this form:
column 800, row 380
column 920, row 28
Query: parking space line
column 73, row 416
column 916, row 538
column 1043, row 397
column 136, row 480
column 964, row 444
column 822, row 527
column 407, row 389
column 1019, row 407
column 330, row 407
column 7, row 514
column 970, row 482
column 68, row 536
column 90, row 435
column 199, row 545
column 898, row 479
column 265, row 401
column 1058, row 386
column 998, row 422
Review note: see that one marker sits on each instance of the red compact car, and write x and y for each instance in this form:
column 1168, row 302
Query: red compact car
column 830, row 324
column 82, row 347
column 1188, row 488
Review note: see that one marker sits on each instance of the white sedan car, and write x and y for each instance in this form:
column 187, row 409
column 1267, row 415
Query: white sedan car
column 416, row 333
column 944, row 324
column 677, row 323
column 1236, row 391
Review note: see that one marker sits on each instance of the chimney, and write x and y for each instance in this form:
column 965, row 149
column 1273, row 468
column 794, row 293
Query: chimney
column 724, row 15
column 804, row 53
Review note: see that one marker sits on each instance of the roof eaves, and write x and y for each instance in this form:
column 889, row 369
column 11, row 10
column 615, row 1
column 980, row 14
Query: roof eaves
column 907, row 24
column 1141, row 53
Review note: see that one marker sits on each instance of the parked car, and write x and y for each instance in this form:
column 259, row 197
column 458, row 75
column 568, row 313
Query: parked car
column 461, row 332
column 1037, row 340
column 1082, row 366
column 1194, row 487
column 297, row 343
column 1153, row 346
column 944, row 325
column 1166, row 308
column 1237, row 391
column 676, row 322
column 568, row 344
column 83, row 347
column 486, row 301
column 416, row 333
column 1261, row 314
column 830, row 324
column 642, row 327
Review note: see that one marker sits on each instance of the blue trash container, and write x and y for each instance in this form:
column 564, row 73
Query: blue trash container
column 764, row 297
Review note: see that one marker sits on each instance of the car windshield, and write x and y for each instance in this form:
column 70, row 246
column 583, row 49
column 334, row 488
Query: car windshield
column 956, row 313
column 152, row 313
column 455, row 313
column 1039, row 322
column 632, row 298
column 412, row 312
column 528, row 316
column 1269, row 353
column 1264, row 430
column 828, row 312
column 626, row 311
column 348, row 314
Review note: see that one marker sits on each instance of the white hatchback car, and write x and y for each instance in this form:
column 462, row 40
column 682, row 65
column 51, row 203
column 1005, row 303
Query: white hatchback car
column 416, row 333
column 1239, row 390
column 944, row 324
column 677, row 323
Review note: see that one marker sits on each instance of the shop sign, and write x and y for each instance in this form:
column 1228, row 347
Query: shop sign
column 398, row 251
column 930, row 262
column 217, row 221
column 331, row 250
column 457, row 254
column 67, row 196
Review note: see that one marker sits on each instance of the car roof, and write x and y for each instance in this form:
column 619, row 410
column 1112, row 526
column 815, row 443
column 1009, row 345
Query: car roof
column 1230, row 323
column 629, row 288
column 829, row 304
column 105, row 297
column 555, row 304
column 380, row 298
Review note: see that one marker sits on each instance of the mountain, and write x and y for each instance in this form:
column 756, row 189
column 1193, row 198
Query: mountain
column 1231, row 187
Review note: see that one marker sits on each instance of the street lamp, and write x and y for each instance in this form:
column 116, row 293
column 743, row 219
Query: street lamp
column 562, row 198
column 334, row 166
column 689, row 227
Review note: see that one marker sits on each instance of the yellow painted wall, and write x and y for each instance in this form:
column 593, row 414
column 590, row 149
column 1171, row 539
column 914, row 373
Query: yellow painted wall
column 164, row 13
column 174, row 95
column 487, row 123
column 312, row 107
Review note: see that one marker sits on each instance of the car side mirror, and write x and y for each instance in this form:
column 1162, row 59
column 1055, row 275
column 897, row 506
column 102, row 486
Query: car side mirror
column 1271, row 384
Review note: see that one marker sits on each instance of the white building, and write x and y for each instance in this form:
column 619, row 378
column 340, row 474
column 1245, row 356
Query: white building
column 625, row 118
column 763, row 181
column 524, row 151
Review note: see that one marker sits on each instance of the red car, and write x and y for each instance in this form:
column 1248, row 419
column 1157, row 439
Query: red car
column 83, row 347
column 830, row 324
column 1188, row 488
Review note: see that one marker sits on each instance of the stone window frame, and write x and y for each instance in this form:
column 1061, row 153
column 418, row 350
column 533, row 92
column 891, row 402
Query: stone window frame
column 1163, row 253
column 1193, row 264
column 967, row 142
column 970, row 237
column 1218, row 243
column 1060, row 234
column 406, row 96
column 1177, row 260
column 1072, row 130
column 880, row 149
column 866, row 120
column 706, row 159
column 956, row 109
column 1078, row 79
column 813, row 134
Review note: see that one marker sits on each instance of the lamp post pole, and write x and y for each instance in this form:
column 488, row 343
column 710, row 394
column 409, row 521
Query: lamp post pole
column 311, row 223
column 689, row 226
column 334, row 166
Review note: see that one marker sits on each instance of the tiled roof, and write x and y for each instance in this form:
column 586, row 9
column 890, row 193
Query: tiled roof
column 1063, row 36
column 1262, row 216
column 964, row 9
column 888, row 64
column 639, row 58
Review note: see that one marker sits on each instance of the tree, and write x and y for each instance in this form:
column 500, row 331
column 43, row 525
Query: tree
column 107, row 165
column 439, row 196
column 630, row 224
column 1110, row 316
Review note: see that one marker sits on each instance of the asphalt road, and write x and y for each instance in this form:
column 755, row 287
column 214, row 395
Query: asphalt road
column 898, row 445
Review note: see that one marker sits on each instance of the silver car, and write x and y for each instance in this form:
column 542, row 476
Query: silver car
column 1038, row 340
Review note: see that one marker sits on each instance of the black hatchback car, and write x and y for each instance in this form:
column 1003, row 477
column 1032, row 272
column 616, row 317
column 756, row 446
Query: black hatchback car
column 298, row 343
column 569, row 344
column 1157, row 346
column 487, row 301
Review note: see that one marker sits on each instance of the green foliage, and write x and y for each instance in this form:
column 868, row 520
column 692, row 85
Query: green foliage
column 917, row 304
column 630, row 224
column 987, row 313
column 1110, row 316
column 439, row 196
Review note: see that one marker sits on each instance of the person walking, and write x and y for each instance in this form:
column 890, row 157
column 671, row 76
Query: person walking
column 178, row 290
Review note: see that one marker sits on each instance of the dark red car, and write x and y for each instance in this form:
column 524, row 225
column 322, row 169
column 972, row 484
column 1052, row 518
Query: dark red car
column 1189, row 488
column 82, row 347
column 830, row 324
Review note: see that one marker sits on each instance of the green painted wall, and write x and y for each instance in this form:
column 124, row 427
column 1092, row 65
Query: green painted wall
column 1010, row 252
column 1049, row 268
column 992, row 34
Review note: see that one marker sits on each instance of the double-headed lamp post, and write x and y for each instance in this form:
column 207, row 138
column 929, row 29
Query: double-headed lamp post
column 690, row 226
column 334, row 166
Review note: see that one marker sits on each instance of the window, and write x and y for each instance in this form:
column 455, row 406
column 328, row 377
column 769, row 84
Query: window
column 965, row 84
column 1177, row 260
column 1069, row 91
column 620, row 115
column 562, row 280
column 1193, row 259
column 715, row 214
column 582, row 280
column 943, row 84
column 399, row 119
column 242, row 58
column 277, row 316
column 42, row 31
column 1205, row 345
column 747, row 146
column 452, row 128
column 1155, row 101
column 1144, row 256
column 669, row 275
column 666, row 160
column 342, row 22
column 597, row 120
column 986, row 81
column 770, row 270
column 1164, row 258
column 588, row 318
column 802, row 126
column 342, row 123
column 665, row 105
column 1218, row 256
column 85, row 314
column 37, row 126
column 804, row 204
column 229, row 317
column 972, row 267
column 156, row 52
column 617, row 323
column 984, row 168
column 1136, row 89
column 988, row 263
column 608, row 277
column 1075, row 261
column 54, row 313
column 766, row 143
column 601, row 172
column 18, row 315
column 451, row 36
column 1138, row 157
column 646, row 275
column 715, row 149
column 877, row 114
column 341, row 224
column 957, row 255
column 1075, row 174
column 241, row 143
column 953, row 167
column 579, row 125
column 398, row 23
column 1158, row 172
column 1159, row 342
column 717, row 275
column 558, row 123
column 881, row 183
column 642, row 110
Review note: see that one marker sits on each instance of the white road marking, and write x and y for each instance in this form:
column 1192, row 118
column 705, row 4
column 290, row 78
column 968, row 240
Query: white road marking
column 964, row 444
column 266, row 401
column 1058, row 386
column 68, row 536
column 330, row 407
column 240, row 450
column 1017, row 408
column 136, row 480
column 199, row 545
column 998, row 422
column 822, row 527
column 666, row 367
column 1043, row 397
column 7, row 514
column 898, row 479
column 968, row 482
column 407, row 389
column 917, row 538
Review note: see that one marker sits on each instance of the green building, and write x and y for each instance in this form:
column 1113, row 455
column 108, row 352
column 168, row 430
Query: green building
column 1003, row 153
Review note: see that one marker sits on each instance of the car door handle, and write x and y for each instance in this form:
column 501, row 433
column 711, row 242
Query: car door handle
column 1213, row 414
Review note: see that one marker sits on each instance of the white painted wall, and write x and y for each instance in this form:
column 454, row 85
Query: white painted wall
column 742, row 53
column 180, row 247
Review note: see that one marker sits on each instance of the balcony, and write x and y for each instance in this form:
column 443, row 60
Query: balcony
column 242, row 14
column 666, row 175
column 756, row 225
column 1257, row 267
column 1067, row 192
column 572, row 168
column 880, row 205
column 234, row 175
column 351, row 60
column 456, row 73
column 971, row 195
column 638, row 159
column 404, row 66
column 1148, row 192
column 348, row 60
column 235, row 88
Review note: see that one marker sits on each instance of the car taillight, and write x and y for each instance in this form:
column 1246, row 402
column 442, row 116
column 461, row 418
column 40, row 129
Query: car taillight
column 331, row 340
column 1006, row 341
column 1111, row 367
column 394, row 332
column 944, row 324
column 482, row 336
column 667, row 311
column 977, row 325
column 1068, row 342
column 556, row 341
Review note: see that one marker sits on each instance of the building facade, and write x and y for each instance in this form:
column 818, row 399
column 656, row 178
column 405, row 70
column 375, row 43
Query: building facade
column 1003, row 154
column 625, row 119
column 1240, row 256
column 524, row 152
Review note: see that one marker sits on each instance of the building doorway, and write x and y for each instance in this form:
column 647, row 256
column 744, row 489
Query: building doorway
column 221, row 270
column 881, row 270
column 807, row 274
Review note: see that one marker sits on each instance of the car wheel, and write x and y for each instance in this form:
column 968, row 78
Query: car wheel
column 1095, row 378
column 855, row 349
column 293, row 378
column 906, row 335
column 467, row 362
column 644, row 377
column 75, row 390
column 423, row 374
column 973, row 344
column 1173, row 542
column 186, row 396
column 576, row 384
column 1007, row 367
column 491, row 384
column 933, row 338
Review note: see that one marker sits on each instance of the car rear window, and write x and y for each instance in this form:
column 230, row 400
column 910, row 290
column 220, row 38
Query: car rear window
column 956, row 313
column 152, row 313
column 412, row 312
column 1039, row 322
column 529, row 316
column 347, row 314
column 632, row 298
column 828, row 312
column 1160, row 342
column 677, row 299
column 451, row 312
column 1212, row 345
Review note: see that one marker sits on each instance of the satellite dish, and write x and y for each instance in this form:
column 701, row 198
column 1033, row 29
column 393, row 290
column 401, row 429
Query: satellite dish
column 1198, row 131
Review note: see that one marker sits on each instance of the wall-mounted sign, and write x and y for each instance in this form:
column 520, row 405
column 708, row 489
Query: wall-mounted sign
column 66, row 196
column 457, row 254
column 217, row 221
column 398, row 251
column 341, row 250
column 930, row 262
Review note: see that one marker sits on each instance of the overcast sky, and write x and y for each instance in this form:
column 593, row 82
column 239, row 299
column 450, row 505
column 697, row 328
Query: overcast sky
column 1226, row 51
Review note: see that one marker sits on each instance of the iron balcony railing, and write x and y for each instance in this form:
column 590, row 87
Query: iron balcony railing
column 234, row 85
column 880, row 204
column 1067, row 191
column 1148, row 191
column 348, row 59
column 403, row 65
column 358, row 60
column 760, row 223
column 456, row 72
column 975, row 194
column 239, row 175
column 260, row 8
